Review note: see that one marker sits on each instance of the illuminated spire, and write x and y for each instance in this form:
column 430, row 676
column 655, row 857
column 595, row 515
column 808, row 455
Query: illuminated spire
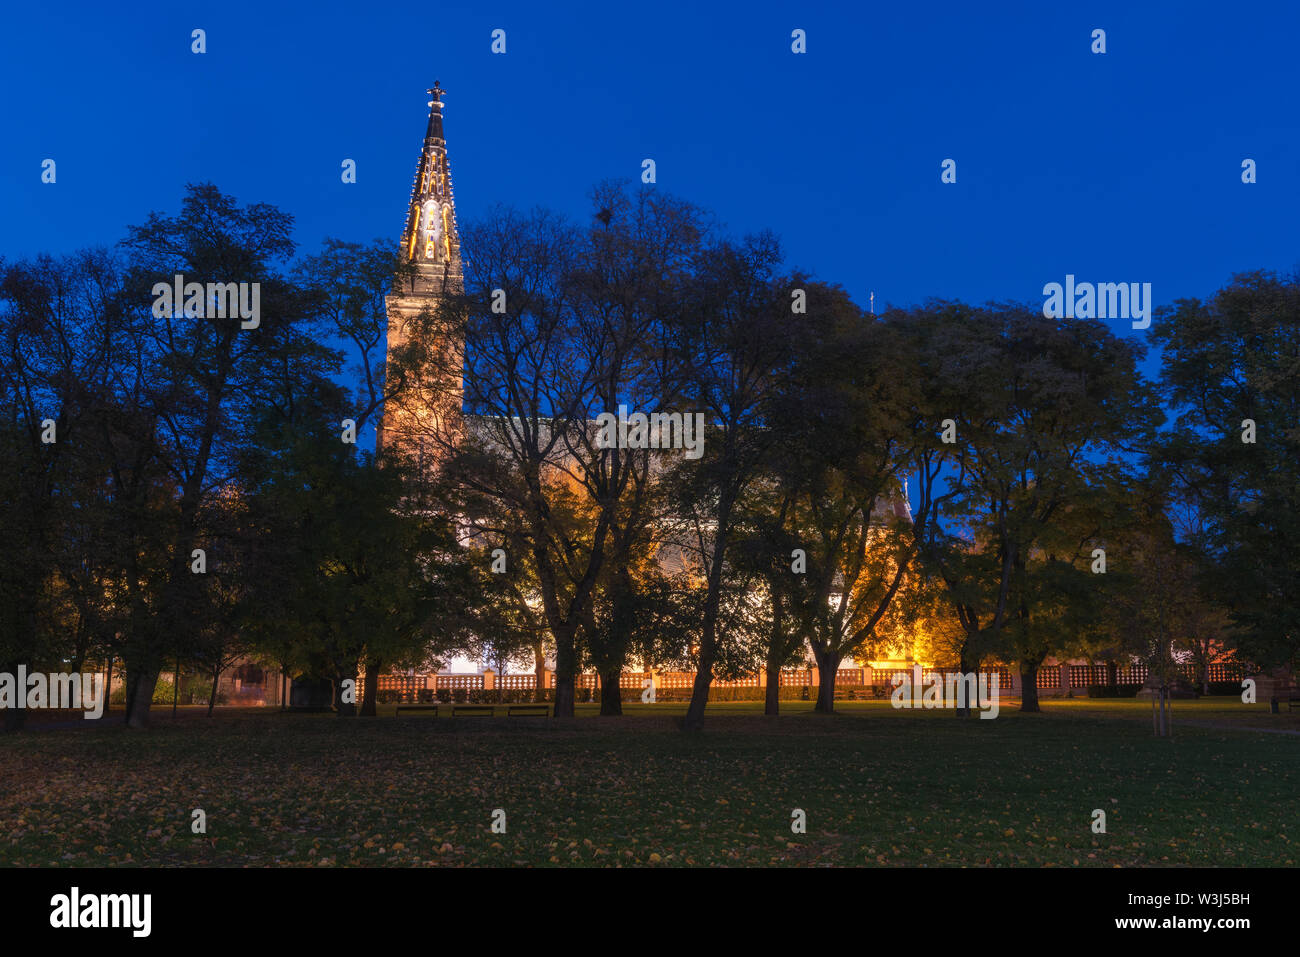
column 430, row 239
column 431, row 244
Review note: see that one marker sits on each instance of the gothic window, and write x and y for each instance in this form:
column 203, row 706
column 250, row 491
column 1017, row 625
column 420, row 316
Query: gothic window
column 432, row 229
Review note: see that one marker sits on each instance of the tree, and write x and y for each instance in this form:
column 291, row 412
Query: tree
column 364, row 571
column 632, row 282
column 1045, row 417
column 1231, row 371
column 527, row 391
column 61, row 396
column 345, row 285
column 846, row 421
column 201, row 373
column 736, row 340
column 503, row 623
column 559, row 325
column 765, row 553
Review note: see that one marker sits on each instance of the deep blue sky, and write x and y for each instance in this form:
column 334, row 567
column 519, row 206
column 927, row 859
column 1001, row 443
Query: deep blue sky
column 1116, row 167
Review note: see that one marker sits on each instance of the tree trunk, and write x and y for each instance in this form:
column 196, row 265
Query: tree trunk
column 611, row 692
column 563, row 696
column 140, row 687
column 1029, row 687
column 284, row 678
column 344, row 709
column 212, row 696
column 776, row 648
column 694, row 719
column 539, row 673
column 108, row 685
column 772, row 695
column 176, row 686
column 14, row 717
column 1112, row 673
column 566, row 665
column 709, row 631
column 621, row 625
column 370, row 696
column 965, row 666
column 828, row 668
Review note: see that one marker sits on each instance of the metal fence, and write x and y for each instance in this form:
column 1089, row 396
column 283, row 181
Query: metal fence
column 419, row 687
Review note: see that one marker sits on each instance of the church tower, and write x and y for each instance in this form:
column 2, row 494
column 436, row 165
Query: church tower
column 431, row 247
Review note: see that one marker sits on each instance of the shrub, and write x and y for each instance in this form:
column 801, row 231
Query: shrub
column 195, row 689
column 162, row 693
column 502, row 696
column 741, row 694
column 716, row 693
column 1232, row 688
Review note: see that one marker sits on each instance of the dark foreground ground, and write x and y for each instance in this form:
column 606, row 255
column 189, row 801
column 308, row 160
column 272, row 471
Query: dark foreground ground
column 877, row 787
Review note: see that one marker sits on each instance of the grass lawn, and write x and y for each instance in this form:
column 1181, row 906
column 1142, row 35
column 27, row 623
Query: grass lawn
column 878, row 786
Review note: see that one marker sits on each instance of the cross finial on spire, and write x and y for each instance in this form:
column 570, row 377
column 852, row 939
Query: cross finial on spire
column 436, row 92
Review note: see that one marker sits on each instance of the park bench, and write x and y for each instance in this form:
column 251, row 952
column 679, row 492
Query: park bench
column 473, row 710
column 529, row 711
column 418, row 707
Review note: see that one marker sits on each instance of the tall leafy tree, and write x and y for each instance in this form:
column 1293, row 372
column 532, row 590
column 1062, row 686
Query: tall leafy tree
column 71, row 405
column 203, row 374
column 1231, row 368
column 846, row 421
column 559, row 325
column 737, row 340
column 1042, row 419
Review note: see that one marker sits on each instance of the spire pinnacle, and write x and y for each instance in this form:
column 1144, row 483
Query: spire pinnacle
column 430, row 240
column 430, row 244
column 435, row 111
